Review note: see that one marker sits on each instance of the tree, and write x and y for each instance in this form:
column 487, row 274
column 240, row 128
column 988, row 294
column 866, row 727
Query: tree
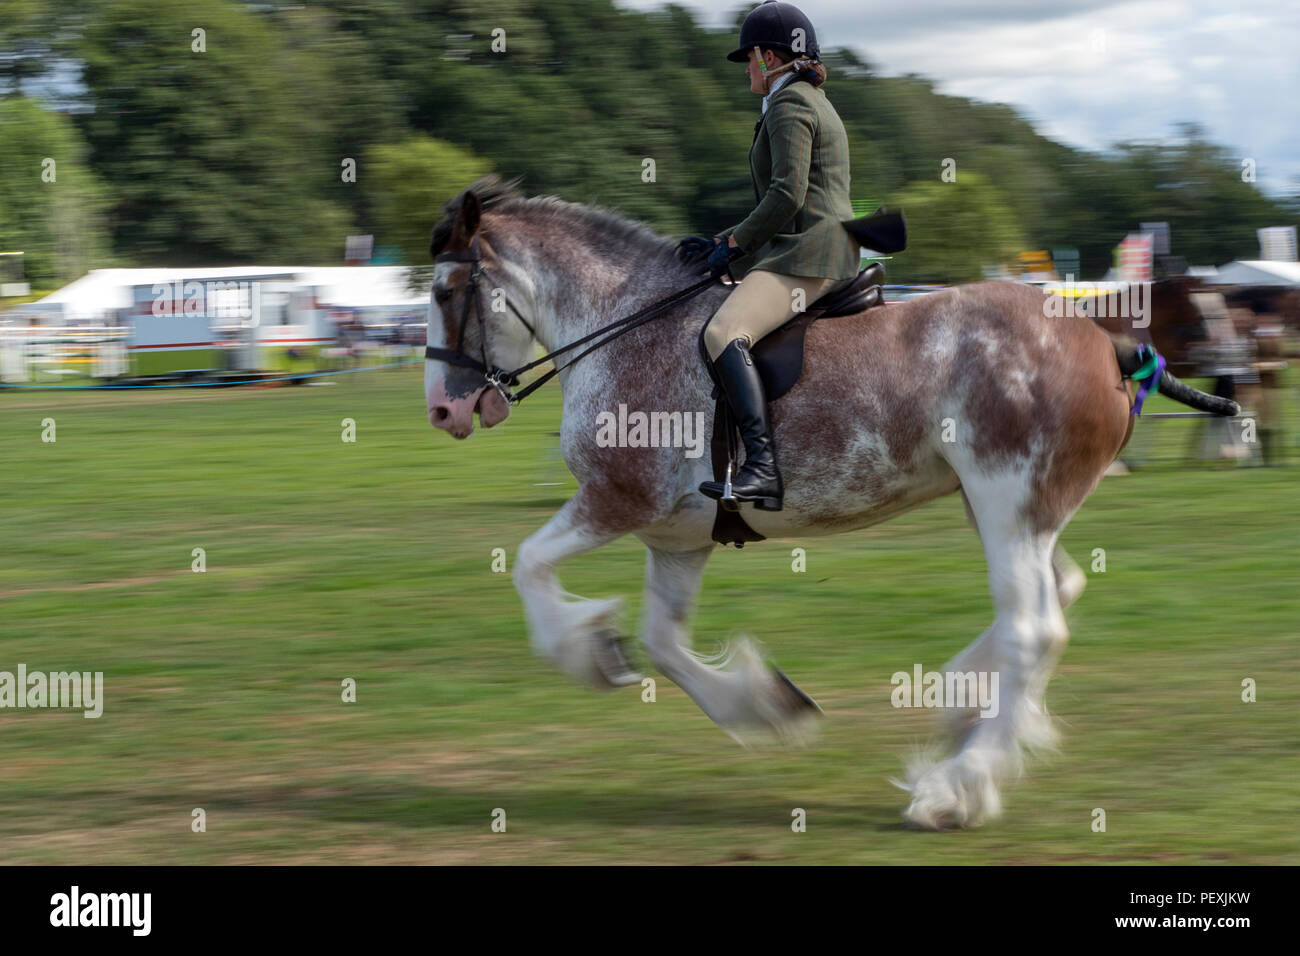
column 408, row 183
column 206, row 139
column 954, row 230
column 51, row 205
column 35, row 39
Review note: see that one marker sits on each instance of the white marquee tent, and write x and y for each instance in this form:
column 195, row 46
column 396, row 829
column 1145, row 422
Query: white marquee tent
column 1262, row 272
column 96, row 297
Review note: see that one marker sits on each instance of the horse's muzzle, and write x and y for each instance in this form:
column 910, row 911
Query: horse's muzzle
column 456, row 415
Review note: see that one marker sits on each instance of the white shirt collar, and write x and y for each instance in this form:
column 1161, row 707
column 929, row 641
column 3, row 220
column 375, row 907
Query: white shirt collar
column 779, row 82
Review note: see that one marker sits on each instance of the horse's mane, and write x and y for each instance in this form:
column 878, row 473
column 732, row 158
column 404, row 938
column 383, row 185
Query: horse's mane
column 604, row 228
column 491, row 190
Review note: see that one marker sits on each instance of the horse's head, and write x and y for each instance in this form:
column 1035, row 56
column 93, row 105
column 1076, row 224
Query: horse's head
column 472, row 312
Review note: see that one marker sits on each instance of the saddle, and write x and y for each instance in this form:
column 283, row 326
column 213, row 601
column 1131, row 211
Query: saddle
column 779, row 359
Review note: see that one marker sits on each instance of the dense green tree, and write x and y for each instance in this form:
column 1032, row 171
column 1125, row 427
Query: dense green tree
column 51, row 204
column 1199, row 189
column 408, row 183
column 954, row 230
column 215, row 155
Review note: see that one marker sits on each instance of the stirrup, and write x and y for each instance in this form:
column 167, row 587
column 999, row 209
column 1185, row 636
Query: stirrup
column 728, row 499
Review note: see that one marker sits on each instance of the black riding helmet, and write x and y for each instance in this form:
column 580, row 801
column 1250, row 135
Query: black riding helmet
column 772, row 26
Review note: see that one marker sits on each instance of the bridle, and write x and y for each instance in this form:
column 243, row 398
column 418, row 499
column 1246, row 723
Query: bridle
column 501, row 379
column 496, row 376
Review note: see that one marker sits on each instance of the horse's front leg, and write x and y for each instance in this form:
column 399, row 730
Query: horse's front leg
column 736, row 687
column 578, row 635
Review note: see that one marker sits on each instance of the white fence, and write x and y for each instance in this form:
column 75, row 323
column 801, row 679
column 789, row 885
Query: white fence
column 38, row 355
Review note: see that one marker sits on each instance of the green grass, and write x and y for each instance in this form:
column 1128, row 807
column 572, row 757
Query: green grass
column 372, row 561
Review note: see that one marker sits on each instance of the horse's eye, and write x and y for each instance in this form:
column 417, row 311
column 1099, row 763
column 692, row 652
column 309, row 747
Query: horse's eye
column 442, row 295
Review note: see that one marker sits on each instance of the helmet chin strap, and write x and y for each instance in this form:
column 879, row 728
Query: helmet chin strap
column 769, row 75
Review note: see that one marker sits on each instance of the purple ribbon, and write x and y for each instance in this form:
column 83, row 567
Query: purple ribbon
column 1150, row 385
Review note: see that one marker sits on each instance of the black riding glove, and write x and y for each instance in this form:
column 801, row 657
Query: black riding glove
column 693, row 249
column 721, row 257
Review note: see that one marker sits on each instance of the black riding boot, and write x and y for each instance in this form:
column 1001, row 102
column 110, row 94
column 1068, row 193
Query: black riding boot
column 758, row 479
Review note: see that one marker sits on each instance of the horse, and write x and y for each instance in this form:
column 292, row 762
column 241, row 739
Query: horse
column 1162, row 313
column 972, row 391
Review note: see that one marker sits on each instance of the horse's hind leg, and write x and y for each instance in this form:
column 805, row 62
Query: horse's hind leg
column 1070, row 579
column 578, row 635
column 736, row 688
column 1021, row 648
column 978, row 655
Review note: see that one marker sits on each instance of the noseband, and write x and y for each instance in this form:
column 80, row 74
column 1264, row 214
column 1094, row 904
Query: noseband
column 503, row 380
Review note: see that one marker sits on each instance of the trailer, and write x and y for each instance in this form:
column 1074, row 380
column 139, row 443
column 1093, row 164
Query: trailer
column 224, row 323
column 165, row 340
column 254, row 322
column 293, row 329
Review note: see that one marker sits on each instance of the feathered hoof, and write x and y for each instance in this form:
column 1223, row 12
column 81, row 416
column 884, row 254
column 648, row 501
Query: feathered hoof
column 792, row 699
column 769, row 708
column 609, row 655
column 951, row 795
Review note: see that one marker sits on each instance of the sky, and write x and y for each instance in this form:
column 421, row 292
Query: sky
column 1091, row 73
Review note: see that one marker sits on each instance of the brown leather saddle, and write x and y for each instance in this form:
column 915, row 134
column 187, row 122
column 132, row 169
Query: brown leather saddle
column 779, row 359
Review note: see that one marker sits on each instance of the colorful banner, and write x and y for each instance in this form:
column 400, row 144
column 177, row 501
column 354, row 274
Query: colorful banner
column 1134, row 257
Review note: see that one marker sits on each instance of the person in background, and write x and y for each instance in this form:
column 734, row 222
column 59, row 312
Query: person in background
column 1270, row 362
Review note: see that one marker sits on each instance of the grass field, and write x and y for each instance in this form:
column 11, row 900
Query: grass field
column 371, row 561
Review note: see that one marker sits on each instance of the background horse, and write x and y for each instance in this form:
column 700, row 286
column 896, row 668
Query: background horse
column 1166, row 317
column 973, row 390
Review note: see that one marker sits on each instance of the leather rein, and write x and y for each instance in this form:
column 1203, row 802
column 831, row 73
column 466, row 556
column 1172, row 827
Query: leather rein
column 503, row 381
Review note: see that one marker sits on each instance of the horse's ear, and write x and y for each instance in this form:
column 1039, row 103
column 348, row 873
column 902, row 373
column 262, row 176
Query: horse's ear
column 463, row 216
column 467, row 217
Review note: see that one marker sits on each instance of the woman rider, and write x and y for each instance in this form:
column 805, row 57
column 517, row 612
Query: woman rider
column 793, row 240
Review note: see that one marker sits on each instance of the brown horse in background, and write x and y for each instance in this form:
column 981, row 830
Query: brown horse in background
column 1163, row 315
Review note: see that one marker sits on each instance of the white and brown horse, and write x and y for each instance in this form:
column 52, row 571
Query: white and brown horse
column 972, row 390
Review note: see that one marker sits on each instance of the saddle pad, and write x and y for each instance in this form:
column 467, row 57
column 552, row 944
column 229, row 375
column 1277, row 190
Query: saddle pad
column 778, row 357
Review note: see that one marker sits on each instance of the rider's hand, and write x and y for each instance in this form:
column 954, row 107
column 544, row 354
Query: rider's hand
column 722, row 255
column 693, row 249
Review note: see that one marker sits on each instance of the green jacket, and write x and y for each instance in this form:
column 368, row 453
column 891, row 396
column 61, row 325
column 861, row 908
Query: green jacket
column 800, row 166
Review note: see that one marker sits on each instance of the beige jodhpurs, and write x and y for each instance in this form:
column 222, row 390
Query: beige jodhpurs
column 762, row 303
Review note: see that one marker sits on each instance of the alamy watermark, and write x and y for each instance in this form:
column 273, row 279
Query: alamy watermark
column 75, row 909
column 1126, row 300
column 626, row 429
column 960, row 689
column 79, row 690
column 214, row 299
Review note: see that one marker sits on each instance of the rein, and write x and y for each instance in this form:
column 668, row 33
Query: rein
column 503, row 380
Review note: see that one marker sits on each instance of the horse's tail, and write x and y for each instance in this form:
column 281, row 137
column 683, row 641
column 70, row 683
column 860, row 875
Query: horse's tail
column 1132, row 358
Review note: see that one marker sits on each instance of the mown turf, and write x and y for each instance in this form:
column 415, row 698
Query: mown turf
column 372, row 561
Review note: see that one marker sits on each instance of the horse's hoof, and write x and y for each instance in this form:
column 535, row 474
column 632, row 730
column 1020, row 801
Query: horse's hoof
column 611, row 660
column 791, row 696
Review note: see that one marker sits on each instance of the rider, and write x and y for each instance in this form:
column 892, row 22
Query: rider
column 793, row 240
